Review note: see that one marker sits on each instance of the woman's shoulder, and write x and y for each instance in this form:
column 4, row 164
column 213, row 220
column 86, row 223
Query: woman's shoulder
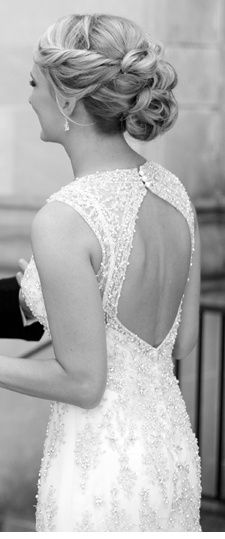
column 56, row 226
column 49, row 220
column 65, row 214
column 71, row 189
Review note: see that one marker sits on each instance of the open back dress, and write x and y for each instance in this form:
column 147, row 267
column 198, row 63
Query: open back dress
column 131, row 463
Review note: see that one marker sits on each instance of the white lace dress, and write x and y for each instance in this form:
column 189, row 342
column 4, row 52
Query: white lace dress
column 131, row 463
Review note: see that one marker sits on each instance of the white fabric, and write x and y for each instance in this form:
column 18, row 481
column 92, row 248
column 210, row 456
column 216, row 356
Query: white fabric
column 132, row 463
column 26, row 321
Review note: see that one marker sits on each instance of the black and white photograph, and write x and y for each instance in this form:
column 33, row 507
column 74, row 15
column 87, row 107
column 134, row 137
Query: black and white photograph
column 112, row 266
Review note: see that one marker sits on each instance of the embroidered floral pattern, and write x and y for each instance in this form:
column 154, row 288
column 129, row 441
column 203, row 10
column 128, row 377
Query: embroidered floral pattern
column 87, row 451
column 46, row 512
column 132, row 462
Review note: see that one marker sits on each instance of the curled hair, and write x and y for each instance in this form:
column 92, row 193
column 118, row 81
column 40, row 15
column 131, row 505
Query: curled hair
column 109, row 63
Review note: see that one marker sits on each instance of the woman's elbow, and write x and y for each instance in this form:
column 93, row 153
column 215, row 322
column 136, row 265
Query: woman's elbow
column 91, row 399
column 183, row 349
column 90, row 394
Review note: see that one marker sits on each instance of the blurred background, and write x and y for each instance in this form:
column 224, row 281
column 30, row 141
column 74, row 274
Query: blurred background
column 193, row 33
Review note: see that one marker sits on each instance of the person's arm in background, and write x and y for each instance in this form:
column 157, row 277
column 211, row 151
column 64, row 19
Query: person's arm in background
column 14, row 324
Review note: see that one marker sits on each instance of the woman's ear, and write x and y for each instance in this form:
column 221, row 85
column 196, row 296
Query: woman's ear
column 68, row 105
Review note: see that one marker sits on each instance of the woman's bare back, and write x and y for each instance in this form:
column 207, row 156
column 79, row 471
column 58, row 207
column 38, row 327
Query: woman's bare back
column 157, row 272
column 141, row 415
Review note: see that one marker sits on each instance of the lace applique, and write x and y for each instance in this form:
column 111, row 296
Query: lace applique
column 167, row 186
column 86, row 202
column 118, row 520
column 134, row 193
column 55, row 437
column 150, row 394
column 32, row 293
column 46, row 512
column 126, row 336
column 148, row 516
column 185, row 499
column 140, row 432
column 127, row 478
column 88, row 451
column 143, row 358
column 85, row 523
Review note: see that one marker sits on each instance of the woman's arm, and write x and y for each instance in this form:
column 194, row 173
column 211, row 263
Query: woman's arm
column 62, row 244
column 188, row 330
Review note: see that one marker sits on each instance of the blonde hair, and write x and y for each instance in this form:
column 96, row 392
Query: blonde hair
column 110, row 64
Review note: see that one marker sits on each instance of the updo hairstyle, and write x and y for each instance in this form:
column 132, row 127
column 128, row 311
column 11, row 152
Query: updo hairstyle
column 109, row 63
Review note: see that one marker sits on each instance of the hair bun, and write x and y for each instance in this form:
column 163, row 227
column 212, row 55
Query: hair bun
column 155, row 109
column 110, row 64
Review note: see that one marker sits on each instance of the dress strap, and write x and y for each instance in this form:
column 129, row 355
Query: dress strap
column 167, row 186
column 135, row 192
column 83, row 198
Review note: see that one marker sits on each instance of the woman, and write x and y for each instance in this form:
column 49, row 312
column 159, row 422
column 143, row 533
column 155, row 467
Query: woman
column 116, row 257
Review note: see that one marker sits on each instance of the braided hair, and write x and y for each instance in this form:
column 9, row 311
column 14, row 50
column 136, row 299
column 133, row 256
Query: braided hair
column 111, row 64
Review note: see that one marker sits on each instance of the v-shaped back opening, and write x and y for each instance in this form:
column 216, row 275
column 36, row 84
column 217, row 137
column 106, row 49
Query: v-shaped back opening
column 126, row 327
column 147, row 344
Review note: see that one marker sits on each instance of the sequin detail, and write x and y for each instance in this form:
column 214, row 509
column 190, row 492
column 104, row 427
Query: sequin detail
column 45, row 516
column 132, row 463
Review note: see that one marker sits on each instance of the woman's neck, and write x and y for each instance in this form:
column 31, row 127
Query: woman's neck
column 89, row 152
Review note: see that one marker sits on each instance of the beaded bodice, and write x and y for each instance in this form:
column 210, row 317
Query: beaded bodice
column 131, row 463
column 109, row 203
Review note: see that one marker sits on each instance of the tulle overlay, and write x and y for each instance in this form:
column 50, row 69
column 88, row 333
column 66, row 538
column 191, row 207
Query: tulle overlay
column 131, row 463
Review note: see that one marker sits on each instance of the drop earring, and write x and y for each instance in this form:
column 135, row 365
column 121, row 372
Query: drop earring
column 66, row 122
column 66, row 125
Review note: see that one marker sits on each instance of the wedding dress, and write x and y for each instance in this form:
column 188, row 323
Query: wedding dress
column 132, row 462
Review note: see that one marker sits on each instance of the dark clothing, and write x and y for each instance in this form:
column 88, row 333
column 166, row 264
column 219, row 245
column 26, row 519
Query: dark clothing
column 11, row 324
